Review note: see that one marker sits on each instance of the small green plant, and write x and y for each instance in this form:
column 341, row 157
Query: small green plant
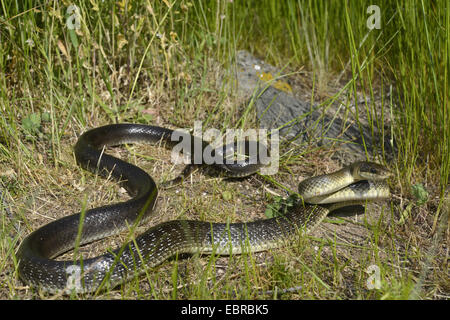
column 280, row 206
column 420, row 194
column 32, row 123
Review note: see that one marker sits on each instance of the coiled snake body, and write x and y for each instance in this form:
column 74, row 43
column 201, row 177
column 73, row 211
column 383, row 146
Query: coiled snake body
column 353, row 184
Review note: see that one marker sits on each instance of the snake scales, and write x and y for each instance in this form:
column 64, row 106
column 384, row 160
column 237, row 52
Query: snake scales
column 353, row 184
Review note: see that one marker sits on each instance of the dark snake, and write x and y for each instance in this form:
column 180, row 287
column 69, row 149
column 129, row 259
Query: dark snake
column 37, row 266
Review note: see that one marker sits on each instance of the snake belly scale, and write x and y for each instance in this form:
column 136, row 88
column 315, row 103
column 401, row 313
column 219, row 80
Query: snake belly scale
column 37, row 266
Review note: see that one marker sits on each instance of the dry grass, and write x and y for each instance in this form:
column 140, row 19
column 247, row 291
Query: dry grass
column 327, row 264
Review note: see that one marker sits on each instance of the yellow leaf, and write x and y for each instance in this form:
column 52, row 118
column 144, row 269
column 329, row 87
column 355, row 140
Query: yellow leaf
column 94, row 5
column 124, row 5
column 54, row 13
column 62, row 48
column 150, row 9
column 121, row 41
column 167, row 3
column 116, row 20
column 283, row 86
column 173, row 36
column 265, row 76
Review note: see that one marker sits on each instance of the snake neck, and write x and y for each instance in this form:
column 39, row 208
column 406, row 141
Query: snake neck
column 312, row 189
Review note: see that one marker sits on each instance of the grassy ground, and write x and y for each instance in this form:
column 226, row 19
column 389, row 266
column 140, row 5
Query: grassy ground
column 158, row 62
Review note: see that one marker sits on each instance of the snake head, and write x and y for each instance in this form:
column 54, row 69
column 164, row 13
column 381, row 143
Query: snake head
column 364, row 170
column 243, row 158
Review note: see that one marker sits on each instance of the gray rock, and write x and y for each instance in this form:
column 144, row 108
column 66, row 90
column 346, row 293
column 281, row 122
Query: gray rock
column 298, row 120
